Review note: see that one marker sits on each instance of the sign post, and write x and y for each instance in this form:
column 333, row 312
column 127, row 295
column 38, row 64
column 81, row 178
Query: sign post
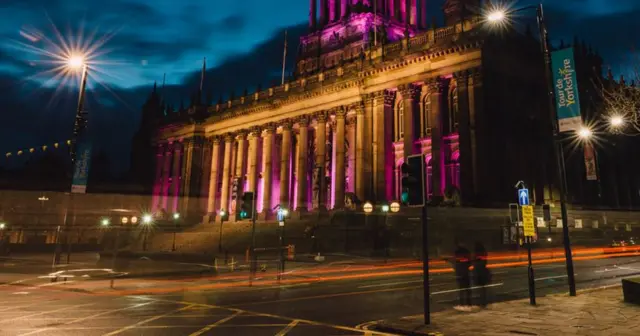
column 529, row 233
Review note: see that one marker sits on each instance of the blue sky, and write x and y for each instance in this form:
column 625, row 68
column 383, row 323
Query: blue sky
column 242, row 41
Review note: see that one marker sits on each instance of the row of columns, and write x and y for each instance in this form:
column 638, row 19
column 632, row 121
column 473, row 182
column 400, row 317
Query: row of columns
column 411, row 12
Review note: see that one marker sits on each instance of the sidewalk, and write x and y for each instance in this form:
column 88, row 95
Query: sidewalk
column 597, row 312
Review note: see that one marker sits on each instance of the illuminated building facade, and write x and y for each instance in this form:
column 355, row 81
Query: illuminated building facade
column 370, row 87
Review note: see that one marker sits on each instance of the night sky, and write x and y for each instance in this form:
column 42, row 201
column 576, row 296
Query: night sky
column 140, row 40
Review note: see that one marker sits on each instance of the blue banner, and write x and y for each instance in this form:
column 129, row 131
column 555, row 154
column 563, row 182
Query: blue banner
column 81, row 169
column 565, row 82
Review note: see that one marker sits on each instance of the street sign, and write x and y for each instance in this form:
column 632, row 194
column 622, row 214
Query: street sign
column 81, row 169
column 527, row 221
column 523, row 196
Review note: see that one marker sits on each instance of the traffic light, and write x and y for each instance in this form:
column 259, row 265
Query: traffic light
column 245, row 211
column 413, row 181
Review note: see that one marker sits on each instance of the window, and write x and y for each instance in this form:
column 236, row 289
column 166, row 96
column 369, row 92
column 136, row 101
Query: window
column 399, row 121
column 454, row 109
column 426, row 112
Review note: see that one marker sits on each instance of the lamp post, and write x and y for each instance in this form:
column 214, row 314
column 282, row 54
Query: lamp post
column 176, row 217
column 283, row 213
column 499, row 16
column 147, row 220
column 224, row 215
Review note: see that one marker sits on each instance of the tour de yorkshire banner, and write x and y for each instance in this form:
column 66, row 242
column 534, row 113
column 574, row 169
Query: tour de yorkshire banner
column 566, row 86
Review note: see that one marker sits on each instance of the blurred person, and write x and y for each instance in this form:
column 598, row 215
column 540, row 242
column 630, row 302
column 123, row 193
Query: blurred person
column 481, row 274
column 462, row 262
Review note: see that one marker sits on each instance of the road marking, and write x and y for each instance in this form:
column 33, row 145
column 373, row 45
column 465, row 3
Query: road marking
column 288, row 328
column 157, row 317
column 328, row 296
column 87, row 317
column 47, row 312
column 629, row 268
column 52, row 284
column 461, row 289
column 554, row 277
column 280, row 317
column 213, row 325
column 390, row 284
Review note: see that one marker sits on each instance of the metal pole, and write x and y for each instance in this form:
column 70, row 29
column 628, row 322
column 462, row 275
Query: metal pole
column 115, row 253
column 532, row 283
column 253, row 236
column 220, row 239
column 425, row 267
column 557, row 148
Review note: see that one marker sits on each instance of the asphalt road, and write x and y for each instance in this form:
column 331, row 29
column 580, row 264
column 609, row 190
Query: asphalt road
column 313, row 304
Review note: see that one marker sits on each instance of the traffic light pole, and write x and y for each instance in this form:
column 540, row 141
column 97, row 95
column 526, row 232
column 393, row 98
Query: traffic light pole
column 425, row 267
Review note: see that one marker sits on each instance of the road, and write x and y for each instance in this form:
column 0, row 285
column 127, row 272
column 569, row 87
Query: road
column 333, row 299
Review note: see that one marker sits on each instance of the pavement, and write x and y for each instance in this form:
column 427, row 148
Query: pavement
column 596, row 312
column 340, row 297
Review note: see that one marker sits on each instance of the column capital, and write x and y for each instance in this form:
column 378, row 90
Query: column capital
column 321, row 117
column 286, row 125
column 269, row 128
column 461, row 77
column 303, row 121
column 255, row 131
column 340, row 112
column 389, row 97
column 475, row 75
column 436, row 84
column 229, row 137
column 242, row 135
column 409, row 91
column 358, row 107
column 216, row 140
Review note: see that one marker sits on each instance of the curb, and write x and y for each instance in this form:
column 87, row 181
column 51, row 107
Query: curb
column 403, row 332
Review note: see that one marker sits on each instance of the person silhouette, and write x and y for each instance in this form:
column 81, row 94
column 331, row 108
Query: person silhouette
column 462, row 263
column 481, row 274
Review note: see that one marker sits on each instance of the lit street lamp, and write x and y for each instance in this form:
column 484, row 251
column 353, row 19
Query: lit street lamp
column 616, row 121
column 498, row 16
column 176, row 217
column 585, row 133
column 105, row 222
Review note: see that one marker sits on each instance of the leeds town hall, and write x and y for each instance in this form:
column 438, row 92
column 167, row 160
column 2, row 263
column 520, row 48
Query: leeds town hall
column 373, row 83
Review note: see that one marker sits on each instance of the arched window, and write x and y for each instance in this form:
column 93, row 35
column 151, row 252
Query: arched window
column 426, row 115
column 454, row 109
column 399, row 120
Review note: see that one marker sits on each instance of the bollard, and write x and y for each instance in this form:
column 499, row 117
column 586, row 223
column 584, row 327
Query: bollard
column 215, row 264
column 233, row 264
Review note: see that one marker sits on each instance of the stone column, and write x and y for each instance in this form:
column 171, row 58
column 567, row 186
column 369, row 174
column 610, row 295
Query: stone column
column 285, row 156
column 321, row 159
column 226, row 173
column 301, row 173
column 166, row 172
column 177, row 176
column 351, row 152
column 360, row 147
column 423, row 14
column 465, row 160
column 313, row 4
column 157, row 183
column 239, row 172
column 339, row 174
column 409, row 93
column 343, row 8
column 383, row 154
column 332, row 10
column 213, row 179
column 404, row 11
column 437, row 87
column 414, row 13
column 252, row 161
column 323, row 13
column 267, row 170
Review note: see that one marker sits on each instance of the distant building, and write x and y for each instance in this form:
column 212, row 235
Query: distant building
column 369, row 89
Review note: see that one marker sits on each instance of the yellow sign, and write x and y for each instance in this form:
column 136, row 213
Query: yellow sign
column 527, row 221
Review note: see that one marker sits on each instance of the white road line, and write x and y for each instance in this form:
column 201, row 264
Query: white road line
column 458, row 290
column 157, row 317
column 288, row 328
column 213, row 325
column 390, row 284
column 86, row 318
column 47, row 312
column 629, row 268
column 552, row 277
column 52, row 284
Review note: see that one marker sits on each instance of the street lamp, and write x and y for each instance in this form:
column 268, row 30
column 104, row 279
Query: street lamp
column 3, row 226
column 395, row 207
column 176, row 217
column 147, row 219
column 105, row 222
column 585, row 133
column 497, row 16
column 367, row 208
column 616, row 121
